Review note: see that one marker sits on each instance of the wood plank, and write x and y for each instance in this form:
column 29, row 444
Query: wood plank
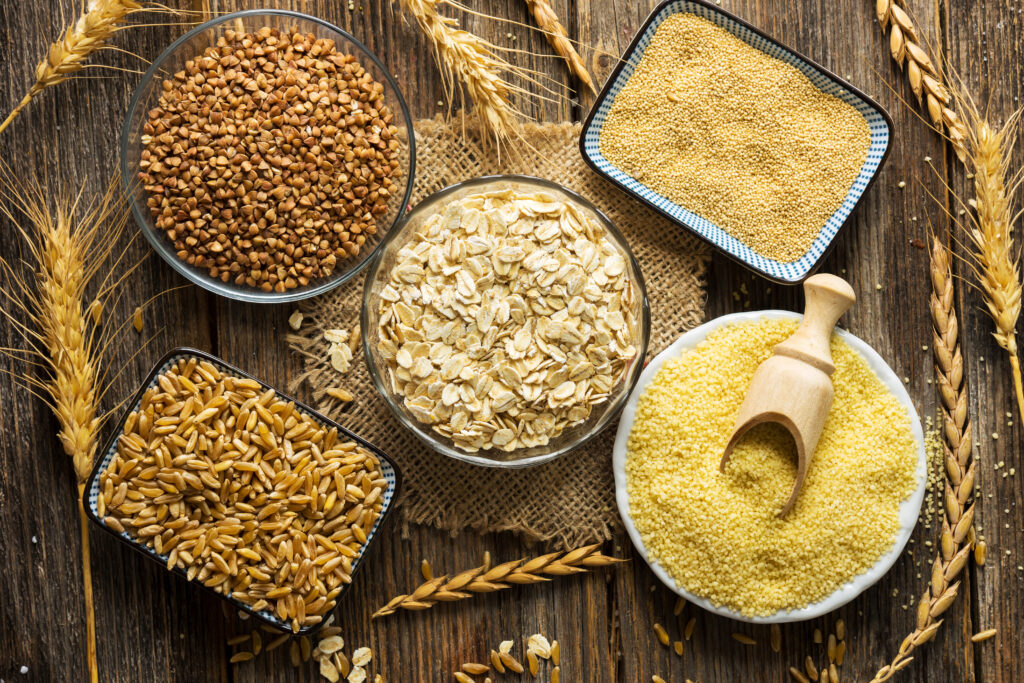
column 154, row 627
column 980, row 44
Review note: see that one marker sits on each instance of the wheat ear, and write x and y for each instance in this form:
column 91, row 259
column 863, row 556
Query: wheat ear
column 954, row 545
column 66, row 253
column 469, row 61
column 925, row 79
column 995, row 257
column 558, row 38
column 89, row 33
column 486, row 579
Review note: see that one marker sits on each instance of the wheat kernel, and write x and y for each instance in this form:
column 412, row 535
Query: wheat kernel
column 983, row 635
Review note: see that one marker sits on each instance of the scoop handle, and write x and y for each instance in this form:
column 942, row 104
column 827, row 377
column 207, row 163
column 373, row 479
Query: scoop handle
column 827, row 298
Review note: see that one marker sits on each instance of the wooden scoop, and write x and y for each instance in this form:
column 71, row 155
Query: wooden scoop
column 793, row 387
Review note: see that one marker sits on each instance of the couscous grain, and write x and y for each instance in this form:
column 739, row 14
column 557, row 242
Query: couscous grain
column 717, row 533
column 736, row 136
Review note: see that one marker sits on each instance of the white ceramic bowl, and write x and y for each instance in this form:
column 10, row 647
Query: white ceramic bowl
column 909, row 508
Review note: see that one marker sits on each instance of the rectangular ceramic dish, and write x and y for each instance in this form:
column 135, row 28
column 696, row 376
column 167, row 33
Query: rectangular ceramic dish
column 879, row 124
column 92, row 486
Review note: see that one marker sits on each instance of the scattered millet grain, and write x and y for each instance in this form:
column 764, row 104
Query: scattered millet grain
column 717, row 533
column 736, row 136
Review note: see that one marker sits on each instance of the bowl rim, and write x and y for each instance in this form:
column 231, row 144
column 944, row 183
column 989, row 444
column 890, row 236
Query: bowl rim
column 378, row 378
column 909, row 508
column 129, row 406
column 156, row 238
column 621, row 64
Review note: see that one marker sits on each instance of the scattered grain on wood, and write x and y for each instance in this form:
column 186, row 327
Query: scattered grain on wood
column 744, row 639
column 984, row 635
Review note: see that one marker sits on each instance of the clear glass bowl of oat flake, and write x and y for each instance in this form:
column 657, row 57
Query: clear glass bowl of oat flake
column 505, row 321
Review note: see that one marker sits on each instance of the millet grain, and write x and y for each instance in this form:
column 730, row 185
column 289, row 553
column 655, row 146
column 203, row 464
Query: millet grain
column 733, row 135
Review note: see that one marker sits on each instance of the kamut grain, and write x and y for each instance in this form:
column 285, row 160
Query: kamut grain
column 243, row 491
column 269, row 158
column 731, row 548
column 736, row 136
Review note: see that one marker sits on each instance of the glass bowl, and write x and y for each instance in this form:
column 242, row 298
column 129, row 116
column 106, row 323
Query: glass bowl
column 193, row 44
column 378, row 276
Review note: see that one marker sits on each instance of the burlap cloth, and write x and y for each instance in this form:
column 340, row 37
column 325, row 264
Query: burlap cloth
column 568, row 501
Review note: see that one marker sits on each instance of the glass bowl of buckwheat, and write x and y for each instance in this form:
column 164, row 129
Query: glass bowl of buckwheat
column 505, row 321
column 266, row 154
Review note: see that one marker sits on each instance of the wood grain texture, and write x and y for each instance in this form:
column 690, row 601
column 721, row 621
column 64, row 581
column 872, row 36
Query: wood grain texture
column 155, row 628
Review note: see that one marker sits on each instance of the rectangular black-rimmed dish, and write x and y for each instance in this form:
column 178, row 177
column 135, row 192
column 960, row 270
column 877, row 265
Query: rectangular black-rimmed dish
column 92, row 492
column 878, row 121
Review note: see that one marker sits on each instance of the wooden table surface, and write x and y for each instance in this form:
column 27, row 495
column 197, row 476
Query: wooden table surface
column 153, row 627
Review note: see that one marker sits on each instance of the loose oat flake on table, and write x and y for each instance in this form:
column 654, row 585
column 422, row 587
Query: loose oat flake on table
column 506, row 318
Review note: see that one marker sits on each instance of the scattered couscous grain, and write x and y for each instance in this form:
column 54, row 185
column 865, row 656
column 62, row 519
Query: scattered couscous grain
column 716, row 533
column 736, row 136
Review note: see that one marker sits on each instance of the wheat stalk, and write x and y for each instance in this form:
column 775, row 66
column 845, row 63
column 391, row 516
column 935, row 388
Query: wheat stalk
column 89, row 33
column 954, row 545
column 925, row 79
column 485, row 579
column 558, row 38
column 471, row 62
column 995, row 258
column 66, row 253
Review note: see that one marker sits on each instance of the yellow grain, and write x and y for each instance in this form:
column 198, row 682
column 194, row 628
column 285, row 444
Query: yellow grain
column 983, row 635
column 735, row 136
column 731, row 547
column 744, row 639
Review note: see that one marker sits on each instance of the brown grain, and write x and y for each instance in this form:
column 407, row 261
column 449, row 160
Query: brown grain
column 269, row 159
column 291, row 512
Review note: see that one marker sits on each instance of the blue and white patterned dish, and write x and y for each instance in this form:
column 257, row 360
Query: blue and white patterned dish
column 92, row 486
column 879, row 124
